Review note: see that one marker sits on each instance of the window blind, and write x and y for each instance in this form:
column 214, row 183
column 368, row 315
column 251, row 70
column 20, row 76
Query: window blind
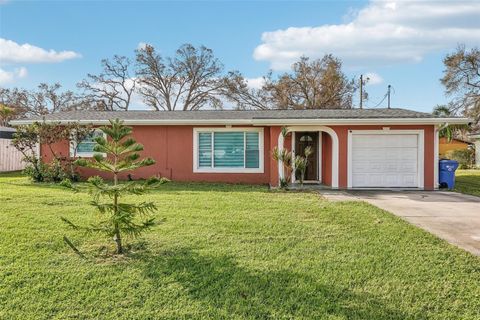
column 236, row 149
column 252, row 157
column 228, row 149
column 205, row 149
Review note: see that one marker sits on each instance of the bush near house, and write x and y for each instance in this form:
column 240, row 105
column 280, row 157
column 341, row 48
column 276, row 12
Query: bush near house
column 465, row 157
column 27, row 138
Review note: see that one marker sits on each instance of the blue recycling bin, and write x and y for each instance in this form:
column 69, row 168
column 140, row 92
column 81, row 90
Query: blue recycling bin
column 447, row 173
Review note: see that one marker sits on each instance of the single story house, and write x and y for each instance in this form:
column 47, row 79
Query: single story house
column 353, row 148
column 445, row 145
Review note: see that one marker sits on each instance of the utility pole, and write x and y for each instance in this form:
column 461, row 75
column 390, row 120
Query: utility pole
column 388, row 94
column 361, row 91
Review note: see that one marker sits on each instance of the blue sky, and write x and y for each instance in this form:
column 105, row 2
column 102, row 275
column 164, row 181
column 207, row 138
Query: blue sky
column 397, row 43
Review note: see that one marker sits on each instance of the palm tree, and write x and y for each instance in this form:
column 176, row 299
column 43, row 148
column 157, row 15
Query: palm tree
column 449, row 131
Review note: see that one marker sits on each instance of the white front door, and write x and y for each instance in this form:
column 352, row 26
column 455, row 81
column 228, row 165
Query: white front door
column 384, row 160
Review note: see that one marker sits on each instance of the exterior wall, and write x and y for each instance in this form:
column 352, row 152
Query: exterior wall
column 446, row 146
column 326, row 159
column 274, row 133
column 172, row 149
column 429, row 139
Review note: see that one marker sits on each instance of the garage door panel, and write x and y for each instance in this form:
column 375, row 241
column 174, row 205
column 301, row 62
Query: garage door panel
column 384, row 160
column 408, row 167
column 409, row 154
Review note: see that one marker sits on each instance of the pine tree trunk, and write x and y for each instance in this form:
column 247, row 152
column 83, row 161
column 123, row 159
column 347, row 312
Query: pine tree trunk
column 118, row 241
column 117, row 238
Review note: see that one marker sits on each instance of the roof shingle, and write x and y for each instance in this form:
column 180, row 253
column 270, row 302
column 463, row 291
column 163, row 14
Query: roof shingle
column 235, row 114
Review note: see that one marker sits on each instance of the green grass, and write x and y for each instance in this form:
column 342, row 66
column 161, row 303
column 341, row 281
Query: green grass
column 228, row 252
column 467, row 181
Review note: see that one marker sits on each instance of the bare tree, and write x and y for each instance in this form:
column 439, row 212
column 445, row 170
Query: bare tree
column 237, row 90
column 312, row 84
column 461, row 79
column 113, row 88
column 46, row 99
column 190, row 80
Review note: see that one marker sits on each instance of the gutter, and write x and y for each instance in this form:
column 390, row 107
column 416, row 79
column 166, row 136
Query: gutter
column 263, row 122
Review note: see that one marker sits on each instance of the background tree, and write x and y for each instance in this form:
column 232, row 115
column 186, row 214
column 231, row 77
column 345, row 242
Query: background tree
column 312, row 84
column 44, row 100
column 461, row 79
column 6, row 113
column 190, row 80
column 113, row 88
column 118, row 218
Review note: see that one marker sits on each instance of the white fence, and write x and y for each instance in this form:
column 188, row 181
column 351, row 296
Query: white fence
column 10, row 158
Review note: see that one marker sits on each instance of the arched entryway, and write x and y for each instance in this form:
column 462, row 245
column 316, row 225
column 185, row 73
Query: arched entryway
column 310, row 139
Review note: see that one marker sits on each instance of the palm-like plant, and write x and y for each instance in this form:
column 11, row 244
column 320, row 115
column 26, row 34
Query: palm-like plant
column 117, row 217
column 301, row 163
column 448, row 131
column 285, row 157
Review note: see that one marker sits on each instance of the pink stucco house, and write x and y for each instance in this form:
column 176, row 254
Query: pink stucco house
column 353, row 148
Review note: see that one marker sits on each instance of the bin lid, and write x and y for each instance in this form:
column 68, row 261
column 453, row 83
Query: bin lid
column 446, row 161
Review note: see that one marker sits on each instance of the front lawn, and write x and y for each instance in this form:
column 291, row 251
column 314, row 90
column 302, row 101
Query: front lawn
column 467, row 181
column 228, row 252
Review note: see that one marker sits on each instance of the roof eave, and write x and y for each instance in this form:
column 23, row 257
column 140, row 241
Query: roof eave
column 263, row 122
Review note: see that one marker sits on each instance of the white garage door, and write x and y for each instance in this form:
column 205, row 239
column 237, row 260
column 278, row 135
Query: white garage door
column 384, row 160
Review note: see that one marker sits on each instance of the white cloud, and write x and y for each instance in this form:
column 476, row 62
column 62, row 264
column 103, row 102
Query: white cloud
column 384, row 32
column 10, row 76
column 141, row 45
column 373, row 78
column 12, row 52
column 255, row 83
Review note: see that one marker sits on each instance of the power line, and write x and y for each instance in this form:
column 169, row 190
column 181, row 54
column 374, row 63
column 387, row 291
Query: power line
column 385, row 96
column 388, row 94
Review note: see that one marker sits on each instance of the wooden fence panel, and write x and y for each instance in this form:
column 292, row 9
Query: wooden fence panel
column 10, row 158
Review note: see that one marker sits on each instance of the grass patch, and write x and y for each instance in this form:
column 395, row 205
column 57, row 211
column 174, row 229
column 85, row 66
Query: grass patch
column 228, row 252
column 467, row 181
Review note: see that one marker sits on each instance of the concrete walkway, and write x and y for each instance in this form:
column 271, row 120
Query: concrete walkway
column 452, row 216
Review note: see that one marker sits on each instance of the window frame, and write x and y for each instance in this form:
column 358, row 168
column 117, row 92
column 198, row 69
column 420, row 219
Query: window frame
column 261, row 151
column 74, row 144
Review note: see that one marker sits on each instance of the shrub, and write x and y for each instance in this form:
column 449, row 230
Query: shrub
column 36, row 170
column 56, row 172
column 27, row 138
column 465, row 158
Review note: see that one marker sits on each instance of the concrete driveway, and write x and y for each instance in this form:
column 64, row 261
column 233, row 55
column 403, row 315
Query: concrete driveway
column 452, row 216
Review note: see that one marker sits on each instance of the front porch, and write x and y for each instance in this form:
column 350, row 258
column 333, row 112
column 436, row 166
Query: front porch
column 322, row 168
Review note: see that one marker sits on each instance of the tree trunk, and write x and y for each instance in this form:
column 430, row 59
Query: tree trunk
column 117, row 238
column 118, row 241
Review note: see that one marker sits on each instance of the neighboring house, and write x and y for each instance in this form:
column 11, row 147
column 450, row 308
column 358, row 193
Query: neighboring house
column 454, row 144
column 10, row 158
column 476, row 140
column 353, row 148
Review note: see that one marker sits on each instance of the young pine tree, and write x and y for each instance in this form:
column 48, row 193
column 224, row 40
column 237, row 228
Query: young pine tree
column 118, row 218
